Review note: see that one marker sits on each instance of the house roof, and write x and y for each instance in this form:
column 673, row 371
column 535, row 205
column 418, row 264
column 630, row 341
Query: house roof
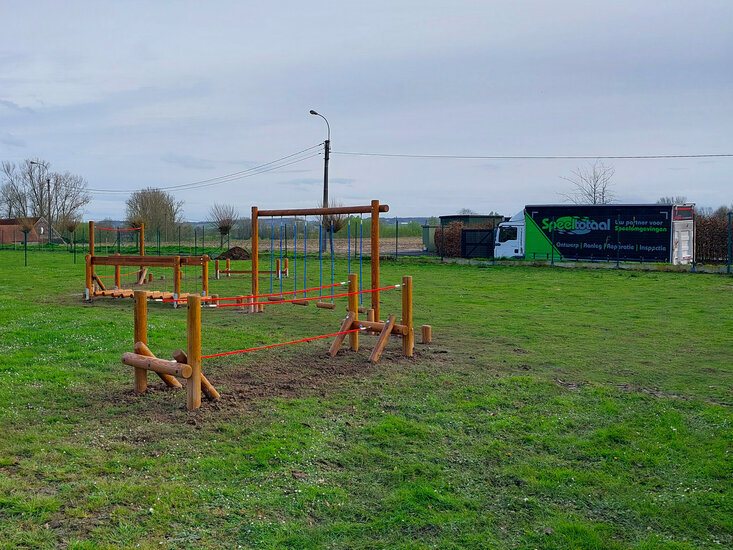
column 15, row 221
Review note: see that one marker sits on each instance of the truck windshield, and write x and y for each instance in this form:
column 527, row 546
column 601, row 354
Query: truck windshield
column 507, row 234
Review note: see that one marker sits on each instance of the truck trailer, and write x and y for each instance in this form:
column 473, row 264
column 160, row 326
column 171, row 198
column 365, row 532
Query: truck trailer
column 600, row 232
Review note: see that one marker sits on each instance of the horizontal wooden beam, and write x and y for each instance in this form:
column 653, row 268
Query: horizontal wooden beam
column 170, row 381
column 149, row 261
column 320, row 211
column 158, row 365
column 400, row 330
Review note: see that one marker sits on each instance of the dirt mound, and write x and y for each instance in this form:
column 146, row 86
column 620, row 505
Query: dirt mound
column 235, row 253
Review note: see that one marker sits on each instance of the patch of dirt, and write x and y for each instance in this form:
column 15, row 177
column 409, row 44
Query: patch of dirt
column 235, row 253
column 567, row 384
column 655, row 392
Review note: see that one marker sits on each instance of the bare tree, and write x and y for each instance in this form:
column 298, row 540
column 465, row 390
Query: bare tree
column 467, row 212
column 679, row 199
column 592, row 184
column 224, row 216
column 338, row 221
column 155, row 208
column 26, row 187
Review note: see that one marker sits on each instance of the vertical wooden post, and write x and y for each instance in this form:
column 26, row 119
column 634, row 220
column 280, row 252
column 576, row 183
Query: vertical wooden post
column 177, row 277
column 354, row 308
column 142, row 249
column 370, row 314
column 216, row 269
column 277, row 269
column 240, row 300
column 427, row 334
column 375, row 258
column 141, row 335
column 205, row 275
column 91, row 238
column 118, row 283
column 193, row 328
column 88, row 276
column 255, row 257
column 287, row 268
column 408, row 340
column 229, row 266
column 142, row 239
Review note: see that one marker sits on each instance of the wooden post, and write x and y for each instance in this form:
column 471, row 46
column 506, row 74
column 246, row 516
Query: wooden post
column 427, row 334
column 177, row 278
column 408, row 340
column 141, row 335
column 229, row 266
column 382, row 340
column 118, row 284
column 91, row 238
column 375, row 257
column 287, row 268
column 88, row 276
column 240, row 300
column 142, row 239
column 255, row 256
column 205, row 276
column 277, row 269
column 354, row 308
column 206, row 386
column 193, row 329
column 216, row 269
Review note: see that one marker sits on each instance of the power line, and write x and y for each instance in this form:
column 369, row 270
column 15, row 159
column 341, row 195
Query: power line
column 255, row 170
column 531, row 157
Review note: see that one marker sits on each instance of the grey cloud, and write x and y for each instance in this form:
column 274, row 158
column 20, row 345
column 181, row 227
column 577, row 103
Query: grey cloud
column 11, row 141
column 15, row 107
column 186, row 161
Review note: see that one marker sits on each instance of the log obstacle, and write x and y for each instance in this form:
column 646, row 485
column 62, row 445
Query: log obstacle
column 94, row 287
column 383, row 329
column 186, row 365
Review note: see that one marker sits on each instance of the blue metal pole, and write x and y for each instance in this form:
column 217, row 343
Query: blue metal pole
column 361, row 258
column 281, row 257
column 320, row 259
column 331, row 261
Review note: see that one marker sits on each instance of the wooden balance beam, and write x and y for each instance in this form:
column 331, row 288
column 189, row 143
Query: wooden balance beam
column 384, row 329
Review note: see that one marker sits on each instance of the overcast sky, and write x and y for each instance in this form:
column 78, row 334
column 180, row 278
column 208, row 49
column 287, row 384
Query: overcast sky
column 138, row 94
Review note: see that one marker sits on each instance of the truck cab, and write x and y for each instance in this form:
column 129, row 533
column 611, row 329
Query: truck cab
column 510, row 238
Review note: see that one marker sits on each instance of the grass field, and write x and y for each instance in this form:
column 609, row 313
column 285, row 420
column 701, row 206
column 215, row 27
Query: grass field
column 555, row 409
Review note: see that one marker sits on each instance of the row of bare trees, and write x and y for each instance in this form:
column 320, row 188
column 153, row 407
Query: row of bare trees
column 30, row 189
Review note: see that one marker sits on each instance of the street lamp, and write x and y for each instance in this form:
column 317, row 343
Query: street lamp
column 48, row 183
column 327, row 146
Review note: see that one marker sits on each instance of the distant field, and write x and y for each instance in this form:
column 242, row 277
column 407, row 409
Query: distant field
column 555, row 409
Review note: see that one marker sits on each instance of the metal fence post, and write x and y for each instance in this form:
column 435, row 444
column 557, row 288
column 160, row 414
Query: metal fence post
column 730, row 239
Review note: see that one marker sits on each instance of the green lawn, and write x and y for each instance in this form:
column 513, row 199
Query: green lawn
column 556, row 408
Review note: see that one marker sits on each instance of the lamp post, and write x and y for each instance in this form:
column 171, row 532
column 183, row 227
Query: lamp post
column 327, row 152
column 48, row 184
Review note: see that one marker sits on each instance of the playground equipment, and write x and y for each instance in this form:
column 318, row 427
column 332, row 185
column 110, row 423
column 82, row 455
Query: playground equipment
column 188, row 365
column 95, row 287
column 373, row 210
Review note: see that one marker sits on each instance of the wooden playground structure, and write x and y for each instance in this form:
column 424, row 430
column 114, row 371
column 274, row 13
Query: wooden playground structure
column 95, row 287
column 187, row 365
